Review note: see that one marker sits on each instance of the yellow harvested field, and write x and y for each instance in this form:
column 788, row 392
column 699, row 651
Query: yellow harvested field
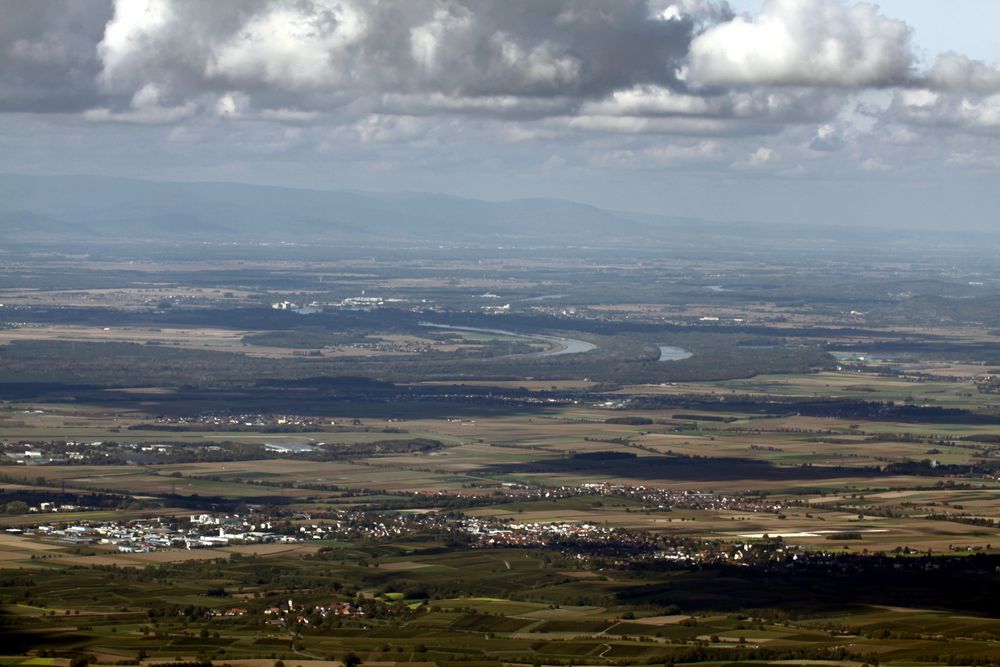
column 661, row 620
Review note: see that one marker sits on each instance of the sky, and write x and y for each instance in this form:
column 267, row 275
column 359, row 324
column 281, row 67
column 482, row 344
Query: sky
column 823, row 112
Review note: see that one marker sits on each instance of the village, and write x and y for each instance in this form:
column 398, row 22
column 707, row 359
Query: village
column 143, row 535
column 213, row 530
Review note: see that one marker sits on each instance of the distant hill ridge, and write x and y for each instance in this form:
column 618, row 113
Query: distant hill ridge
column 44, row 209
column 89, row 207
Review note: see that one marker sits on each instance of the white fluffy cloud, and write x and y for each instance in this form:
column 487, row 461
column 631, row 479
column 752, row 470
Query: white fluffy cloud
column 293, row 46
column 132, row 33
column 805, row 42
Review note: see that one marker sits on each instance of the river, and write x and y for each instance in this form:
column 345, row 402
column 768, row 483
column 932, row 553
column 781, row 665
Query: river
column 671, row 353
column 563, row 345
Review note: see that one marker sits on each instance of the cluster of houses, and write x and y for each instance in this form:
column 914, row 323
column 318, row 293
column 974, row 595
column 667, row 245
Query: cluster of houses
column 288, row 613
column 48, row 507
column 579, row 540
column 687, row 499
column 77, row 452
column 249, row 419
column 391, row 346
column 22, row 454
column 362, row 302
column 601, row 541
column 143, row 535
column 651, row 497
column 492, row 532
column 374, row 525
column 207, row 531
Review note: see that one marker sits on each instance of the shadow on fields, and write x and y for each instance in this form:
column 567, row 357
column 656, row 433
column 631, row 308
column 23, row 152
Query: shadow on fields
column 314, row 396
column 956, row 584
column 628, row 465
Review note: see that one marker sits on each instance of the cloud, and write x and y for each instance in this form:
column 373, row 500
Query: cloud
column 48, row 60
column 431, row 85
column 329, row 52
column 974, row 159
column 761, row 104
column 553, row 163
column 828, row 138
column 669, row 154
column 130, row 36
column 955, row 72
column 694, row 126
column 875, row 165
column 378, row 128
column 510, row 106
column 805, row 43
column 626, row 66
column 296, row 47
column 145, row 108
column 758, row 159
column 236, row 106
column 930, row 108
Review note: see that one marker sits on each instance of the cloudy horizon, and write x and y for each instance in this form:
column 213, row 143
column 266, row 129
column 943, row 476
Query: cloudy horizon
column 804, row 111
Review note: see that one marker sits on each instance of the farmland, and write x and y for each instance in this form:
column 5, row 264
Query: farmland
column 190, row 474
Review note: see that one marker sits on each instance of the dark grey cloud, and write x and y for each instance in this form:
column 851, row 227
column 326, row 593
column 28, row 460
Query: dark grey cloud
column 48, row 56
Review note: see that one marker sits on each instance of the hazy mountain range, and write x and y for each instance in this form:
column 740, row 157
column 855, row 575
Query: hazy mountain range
column 94, row 208
column 40, row 209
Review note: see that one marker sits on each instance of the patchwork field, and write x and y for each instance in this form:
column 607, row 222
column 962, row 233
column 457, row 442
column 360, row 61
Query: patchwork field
column 189, row 475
